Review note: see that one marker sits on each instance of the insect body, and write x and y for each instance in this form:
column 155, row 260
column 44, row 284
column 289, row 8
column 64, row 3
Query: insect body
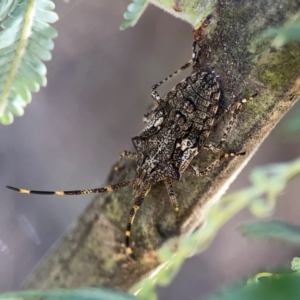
column 176, row 130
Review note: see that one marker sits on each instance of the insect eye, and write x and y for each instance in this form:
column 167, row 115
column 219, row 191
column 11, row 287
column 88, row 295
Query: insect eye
column 189, row 105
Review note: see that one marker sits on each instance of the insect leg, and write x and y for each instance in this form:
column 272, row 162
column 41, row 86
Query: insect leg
column 234, row 113
column 137, row 204
column 154, row 93
column 172, row 196
column 196, row 172
column 108, row 188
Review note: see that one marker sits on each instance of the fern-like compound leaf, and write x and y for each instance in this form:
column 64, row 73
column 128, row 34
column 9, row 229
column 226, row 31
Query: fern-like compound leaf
column 26, row 40
column 133, row 13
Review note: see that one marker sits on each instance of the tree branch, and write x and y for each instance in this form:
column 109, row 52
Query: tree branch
column 230, row 43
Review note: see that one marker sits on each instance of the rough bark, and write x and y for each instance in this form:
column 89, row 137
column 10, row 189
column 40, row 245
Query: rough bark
column 92, row 252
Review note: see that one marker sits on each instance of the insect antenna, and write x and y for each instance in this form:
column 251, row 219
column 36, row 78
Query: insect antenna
column 108, row 188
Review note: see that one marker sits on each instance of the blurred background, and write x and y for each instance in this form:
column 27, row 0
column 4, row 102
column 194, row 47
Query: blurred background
column 98, row 89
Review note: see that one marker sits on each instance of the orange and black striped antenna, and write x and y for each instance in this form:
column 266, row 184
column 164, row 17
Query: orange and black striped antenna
column 108, row 188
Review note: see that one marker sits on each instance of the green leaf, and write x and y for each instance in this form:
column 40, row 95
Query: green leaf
column 76, row 294
column 7, row 118
column 295, row 264
column 4, row 8
column 279, row 287
column 25, row 41
column 133, row 13
column 272, row 230
column 191, row 11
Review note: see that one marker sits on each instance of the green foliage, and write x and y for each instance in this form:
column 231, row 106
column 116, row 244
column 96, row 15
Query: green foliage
column 133, row 13
column 26, row 40
column 266, row 285
column 195, row 11
column 267, row 183
column 76, row 294
column 191, row 11
column 295, row 264
column 278, row 287
column 272, row 230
